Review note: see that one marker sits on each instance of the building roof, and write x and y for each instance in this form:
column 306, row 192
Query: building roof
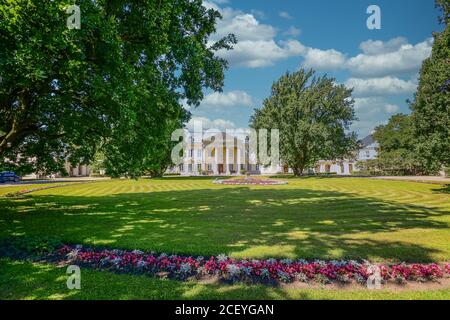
column 367, row 141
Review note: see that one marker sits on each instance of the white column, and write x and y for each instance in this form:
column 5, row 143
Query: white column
column 195, row 169
column 204, row 159
column 215, row 164
column 227, row 158
column 238, row 162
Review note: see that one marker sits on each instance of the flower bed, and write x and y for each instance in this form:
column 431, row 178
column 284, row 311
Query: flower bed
column 26, row 191
column 250, row 181
column 251, row 271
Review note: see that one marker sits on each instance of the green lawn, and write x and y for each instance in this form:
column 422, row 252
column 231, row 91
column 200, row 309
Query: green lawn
column 308, row 218
column 16, row 188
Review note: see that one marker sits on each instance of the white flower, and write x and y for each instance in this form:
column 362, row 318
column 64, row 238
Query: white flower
column 233, row 269
column 222, row 258
column 73, row 254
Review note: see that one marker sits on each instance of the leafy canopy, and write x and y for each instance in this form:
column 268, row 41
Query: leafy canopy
column 397, row 154
column 431, row 105
column 114, row 85
column 312, row 114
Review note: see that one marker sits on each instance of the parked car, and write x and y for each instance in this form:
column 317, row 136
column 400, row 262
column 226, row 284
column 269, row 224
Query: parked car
column 9, row 176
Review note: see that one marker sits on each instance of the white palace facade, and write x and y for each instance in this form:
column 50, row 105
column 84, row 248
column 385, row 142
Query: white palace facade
column 224, row 154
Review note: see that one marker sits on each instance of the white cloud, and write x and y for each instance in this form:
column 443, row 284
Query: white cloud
column 371, row 112
column 258, row 13
column 391, row 108
column 243, row 25
column 371, row 105
column 219, row 124
column 380, row 86
column 366, row 127
column 261, row 53
column 256, row 45
column 222, row 101
column 323, row 59
column 228, row 99
column 285, row 15
column 292, row 31
column 393, row 57
column 367, row 104
column 371, row 47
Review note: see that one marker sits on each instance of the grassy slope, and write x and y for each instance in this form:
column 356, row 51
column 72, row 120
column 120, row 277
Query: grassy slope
column 22, row 280
column 309, row 218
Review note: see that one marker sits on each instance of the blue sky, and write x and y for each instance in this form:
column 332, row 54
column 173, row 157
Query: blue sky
column 329, row 36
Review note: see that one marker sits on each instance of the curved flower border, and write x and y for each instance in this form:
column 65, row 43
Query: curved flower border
column 250, row 271
column 26, row 191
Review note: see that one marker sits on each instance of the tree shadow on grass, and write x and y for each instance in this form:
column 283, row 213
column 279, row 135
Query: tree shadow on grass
column 445, row 189
column 244, row 222
column 24, row 280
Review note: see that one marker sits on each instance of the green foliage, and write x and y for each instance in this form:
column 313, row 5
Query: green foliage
column 431, row 106
column 98, row 163
column 312, row 114
column 397, row 154
column 29, row 247
column 444, row 7
column 447, row 171
column 115, row 85
column 368, row 168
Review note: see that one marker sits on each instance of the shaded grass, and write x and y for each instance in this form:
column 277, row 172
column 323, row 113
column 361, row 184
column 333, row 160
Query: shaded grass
column 308, row 218
column 24, row 280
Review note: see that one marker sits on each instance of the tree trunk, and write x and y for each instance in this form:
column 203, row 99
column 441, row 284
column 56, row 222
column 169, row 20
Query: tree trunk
column 298, row 169
column 157, row 173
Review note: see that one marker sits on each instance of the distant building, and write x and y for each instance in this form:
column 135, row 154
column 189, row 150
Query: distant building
column 77, row 171
column 222, row 154
column 72, row 171
column 215, row 155
column 368, row 151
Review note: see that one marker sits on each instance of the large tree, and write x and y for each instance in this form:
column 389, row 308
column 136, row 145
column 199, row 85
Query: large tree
column 431, row 106
column 115, row 84
column 313, row 115
column 396, row 153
